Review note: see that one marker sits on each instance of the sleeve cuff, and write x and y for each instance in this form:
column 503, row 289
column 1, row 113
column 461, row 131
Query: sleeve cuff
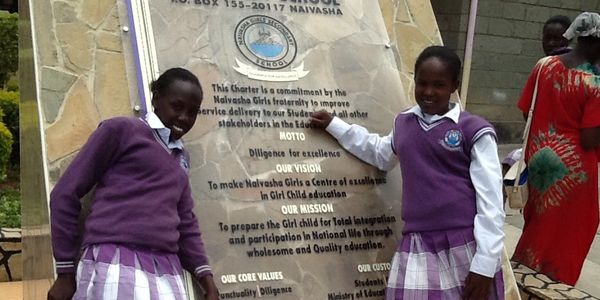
column 484, row 265
column 202, row 271
column 63, row 267
column 337, row 127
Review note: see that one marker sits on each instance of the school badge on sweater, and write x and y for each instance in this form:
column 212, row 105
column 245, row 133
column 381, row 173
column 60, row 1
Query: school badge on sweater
column 452, row 140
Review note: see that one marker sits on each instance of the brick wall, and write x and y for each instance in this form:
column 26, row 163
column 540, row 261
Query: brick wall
column 507, row 45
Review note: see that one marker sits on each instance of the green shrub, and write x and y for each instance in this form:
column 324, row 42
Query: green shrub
column 9, row 46
column 9, row 104
column 5, row 149
column 10, row 208
column 13, row 83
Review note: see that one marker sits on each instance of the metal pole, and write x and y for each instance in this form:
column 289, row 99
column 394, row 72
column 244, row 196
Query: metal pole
column 468, row 54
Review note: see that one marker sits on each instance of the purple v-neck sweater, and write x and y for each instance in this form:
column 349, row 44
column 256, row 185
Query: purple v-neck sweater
column 142, row 197
column 437, row 191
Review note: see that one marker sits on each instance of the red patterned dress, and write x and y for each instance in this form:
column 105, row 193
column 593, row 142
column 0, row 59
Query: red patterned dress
column 561, row 215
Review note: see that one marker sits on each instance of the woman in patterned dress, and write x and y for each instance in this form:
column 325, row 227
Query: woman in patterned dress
column 561, row 215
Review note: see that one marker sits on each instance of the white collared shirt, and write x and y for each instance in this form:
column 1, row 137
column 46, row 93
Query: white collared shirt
column 485, row 172
column 163, row 132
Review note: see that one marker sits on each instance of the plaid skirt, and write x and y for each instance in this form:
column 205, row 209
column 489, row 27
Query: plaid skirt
column 109, row 271
column 434, row 265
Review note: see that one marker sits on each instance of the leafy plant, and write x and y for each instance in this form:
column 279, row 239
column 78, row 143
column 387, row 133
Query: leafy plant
column 5, row 149
column 9, row 46
column 10, row 208
column 9, row 104
column 13, row 83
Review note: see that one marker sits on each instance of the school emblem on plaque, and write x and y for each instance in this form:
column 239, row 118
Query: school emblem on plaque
column 452, row 139
column 269, row 44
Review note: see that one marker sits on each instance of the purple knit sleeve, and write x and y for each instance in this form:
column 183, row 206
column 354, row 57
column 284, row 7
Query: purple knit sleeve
column 191, row 247
column 93, row 159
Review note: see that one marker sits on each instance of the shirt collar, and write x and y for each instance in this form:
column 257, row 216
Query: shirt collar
column 155, row 123
column 452, row 114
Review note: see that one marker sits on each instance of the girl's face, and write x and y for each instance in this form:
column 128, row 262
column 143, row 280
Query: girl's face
column 552, row 38
column 433, row 86
column 178, row 107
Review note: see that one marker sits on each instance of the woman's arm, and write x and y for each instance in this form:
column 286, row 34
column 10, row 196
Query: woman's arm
column 590, row 121
column 590, row 138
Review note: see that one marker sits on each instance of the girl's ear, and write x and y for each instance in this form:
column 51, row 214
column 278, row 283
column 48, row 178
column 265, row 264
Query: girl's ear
column 455, row 85
column 155, row 97
column 152, row 106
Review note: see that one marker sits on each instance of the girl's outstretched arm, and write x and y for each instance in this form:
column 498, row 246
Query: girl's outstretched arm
column 369, row 147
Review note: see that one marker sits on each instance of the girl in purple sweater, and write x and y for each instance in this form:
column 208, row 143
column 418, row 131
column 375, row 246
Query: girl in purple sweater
column 452, row 238
column 141, row 231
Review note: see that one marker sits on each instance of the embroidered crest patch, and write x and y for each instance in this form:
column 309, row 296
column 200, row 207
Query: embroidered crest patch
column 452, row 139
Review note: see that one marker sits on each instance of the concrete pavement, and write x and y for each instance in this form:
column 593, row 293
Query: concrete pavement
column 11, row 290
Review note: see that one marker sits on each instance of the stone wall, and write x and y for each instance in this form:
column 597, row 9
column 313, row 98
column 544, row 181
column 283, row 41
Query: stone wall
column 81, row 69
column 411, row 26
column 507, row 45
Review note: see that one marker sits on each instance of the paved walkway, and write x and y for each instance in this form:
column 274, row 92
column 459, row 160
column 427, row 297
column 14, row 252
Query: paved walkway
column 590, row 276
column 11, row 290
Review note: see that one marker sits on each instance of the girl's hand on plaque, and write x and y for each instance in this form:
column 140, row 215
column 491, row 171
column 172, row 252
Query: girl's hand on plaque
column 320, row 119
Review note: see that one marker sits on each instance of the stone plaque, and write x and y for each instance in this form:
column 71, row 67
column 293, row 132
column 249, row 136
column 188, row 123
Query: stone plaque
column 285, row 212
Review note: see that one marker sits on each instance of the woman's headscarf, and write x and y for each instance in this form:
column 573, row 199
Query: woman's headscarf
column 586, row 24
